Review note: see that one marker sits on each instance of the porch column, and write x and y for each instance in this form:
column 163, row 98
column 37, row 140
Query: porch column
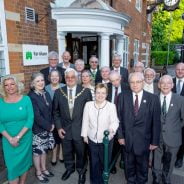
column 120, row 43
column 105, row 46
column 61, row 44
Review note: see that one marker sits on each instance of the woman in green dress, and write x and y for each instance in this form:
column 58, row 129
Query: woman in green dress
column 16, row 120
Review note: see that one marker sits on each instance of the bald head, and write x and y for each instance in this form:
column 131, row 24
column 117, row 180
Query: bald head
column 139, row 67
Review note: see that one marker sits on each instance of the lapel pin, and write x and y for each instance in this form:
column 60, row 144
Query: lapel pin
column 171, row 105
column 144, row 101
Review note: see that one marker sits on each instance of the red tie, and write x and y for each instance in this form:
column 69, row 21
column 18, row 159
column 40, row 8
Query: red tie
column 136, row 105
column 116, row 96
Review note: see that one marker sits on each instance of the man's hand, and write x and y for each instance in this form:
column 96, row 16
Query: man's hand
column 52, row 128
column 152, row 147
column 61, row 133
column 121, row 141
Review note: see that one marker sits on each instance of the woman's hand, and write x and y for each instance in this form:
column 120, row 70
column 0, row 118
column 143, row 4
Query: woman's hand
column 86, row 140
column 14, row 141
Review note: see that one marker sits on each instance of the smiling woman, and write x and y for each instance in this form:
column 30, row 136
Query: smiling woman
column 16, row 119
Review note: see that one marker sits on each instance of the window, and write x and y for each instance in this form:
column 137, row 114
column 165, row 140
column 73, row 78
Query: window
column 147, row 54
column 136, row 50
column 4, row 63
column 138, row 5
column 125, row 51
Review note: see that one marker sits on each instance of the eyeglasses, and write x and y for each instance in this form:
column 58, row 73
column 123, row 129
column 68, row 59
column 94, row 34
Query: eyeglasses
column 136, row 82
column 94, row 62
column 68, row 78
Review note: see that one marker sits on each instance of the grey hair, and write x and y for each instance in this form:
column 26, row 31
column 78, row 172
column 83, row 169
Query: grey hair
column 19, row 84
column 53, row 54
column 68, row 70
column 166, row 76
column 114, row 73
column 105, row 67
column 117, row 55
column 79, row 61
column 139, row 74
column 150, row 69
column 33, row 77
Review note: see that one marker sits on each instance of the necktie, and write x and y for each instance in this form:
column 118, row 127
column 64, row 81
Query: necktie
column 136, row 105
column 52, row 69
column 93, row 74
column 70, row 102
column 178, row 87
column 116, row 96
column 164, row 110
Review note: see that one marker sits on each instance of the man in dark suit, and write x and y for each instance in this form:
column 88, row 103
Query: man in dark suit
column 179, row 89
column 68, row 107
column 53, row 61
column 104, row 72
column 116, row 65
column 95, row 72
column 139, row 130
column 115, row 87
column 172, row 119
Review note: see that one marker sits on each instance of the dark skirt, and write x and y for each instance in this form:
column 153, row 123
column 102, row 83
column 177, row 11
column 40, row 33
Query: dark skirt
column 42, row 142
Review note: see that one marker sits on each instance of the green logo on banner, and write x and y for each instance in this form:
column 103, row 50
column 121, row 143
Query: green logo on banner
column 29, row 55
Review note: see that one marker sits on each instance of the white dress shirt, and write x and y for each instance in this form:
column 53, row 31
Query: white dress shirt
column 149, row 87
column 140, row 94
column 73, row 92
column 168, row 100
column 97, row 120
column 117, row 70
column 181, row 83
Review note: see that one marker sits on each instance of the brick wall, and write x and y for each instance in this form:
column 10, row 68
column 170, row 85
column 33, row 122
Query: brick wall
column 21, row 32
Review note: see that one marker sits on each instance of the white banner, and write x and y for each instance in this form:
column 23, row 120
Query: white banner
column 35, row 55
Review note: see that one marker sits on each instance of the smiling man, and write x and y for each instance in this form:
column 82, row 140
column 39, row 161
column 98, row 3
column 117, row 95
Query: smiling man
column 139, row 130
column 172, row 119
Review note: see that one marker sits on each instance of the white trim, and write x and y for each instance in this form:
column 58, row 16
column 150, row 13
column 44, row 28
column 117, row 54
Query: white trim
column 138, row 5
column 136, row 50
column 4, row 46
column 12, row 16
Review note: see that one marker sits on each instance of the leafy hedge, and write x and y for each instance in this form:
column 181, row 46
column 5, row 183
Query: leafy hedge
column 160, row 57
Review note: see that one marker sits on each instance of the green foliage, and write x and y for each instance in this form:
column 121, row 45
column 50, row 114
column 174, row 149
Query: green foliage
column 160, row 57
column 167, row 25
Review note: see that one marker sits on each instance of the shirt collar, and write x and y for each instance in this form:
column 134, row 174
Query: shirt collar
column 177, row 79
column 167, row 96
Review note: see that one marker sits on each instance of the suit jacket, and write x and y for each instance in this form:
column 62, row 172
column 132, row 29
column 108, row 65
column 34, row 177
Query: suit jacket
column 42, row 113
column 71, row 125
column 142, row 130
column 123, row 73
column 46, row 71
column 174, row 88
column 98, row 77
column 124, row 86
column 173, row 122
column 156, row 90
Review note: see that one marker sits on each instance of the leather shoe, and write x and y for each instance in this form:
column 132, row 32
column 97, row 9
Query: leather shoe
column 53, row 163
column 179, row 163
column 82, row 178
column 47, row 173
column 113, row 170
column 67, row 174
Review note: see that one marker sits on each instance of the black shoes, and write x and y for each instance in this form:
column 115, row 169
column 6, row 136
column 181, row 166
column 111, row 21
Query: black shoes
column 179, row 163
column 67, row 174
column 113, row 170
column 62, row 161
column 53, row 163
column 82, row 178
column 47, row 173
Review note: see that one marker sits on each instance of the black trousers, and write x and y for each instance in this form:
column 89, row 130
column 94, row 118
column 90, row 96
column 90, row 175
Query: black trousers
column 180, row 153
column 136, row 168
column 96, row 156
column 74, row 155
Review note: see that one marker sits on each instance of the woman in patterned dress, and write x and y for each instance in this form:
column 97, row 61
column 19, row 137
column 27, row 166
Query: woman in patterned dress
column 42, row 127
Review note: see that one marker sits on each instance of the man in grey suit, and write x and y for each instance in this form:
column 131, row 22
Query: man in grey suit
column 172, row 118
column 66, row 57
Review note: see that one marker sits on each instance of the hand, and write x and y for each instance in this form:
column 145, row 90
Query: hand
column 121, row 141
column 61, row 133
column 111, row 134
column 52, row 128
column 86, row 140
column 152, row 147
column 14, row 141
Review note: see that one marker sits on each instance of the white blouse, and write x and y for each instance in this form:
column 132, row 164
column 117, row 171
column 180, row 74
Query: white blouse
column 97, row 120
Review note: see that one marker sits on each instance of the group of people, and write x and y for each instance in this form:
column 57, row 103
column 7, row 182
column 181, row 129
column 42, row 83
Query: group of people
column 68, row 108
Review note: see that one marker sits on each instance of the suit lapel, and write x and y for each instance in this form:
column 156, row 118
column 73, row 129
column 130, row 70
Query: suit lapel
column 66, row 101
column 171, row 104
column 143, row 103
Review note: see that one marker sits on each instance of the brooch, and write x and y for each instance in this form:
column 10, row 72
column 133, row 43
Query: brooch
column 144, row 101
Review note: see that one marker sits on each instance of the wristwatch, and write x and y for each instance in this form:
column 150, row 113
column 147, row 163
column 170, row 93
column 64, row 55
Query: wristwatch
column 18, row 137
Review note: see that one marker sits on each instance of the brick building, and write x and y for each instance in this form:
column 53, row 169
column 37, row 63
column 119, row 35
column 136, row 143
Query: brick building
column 84, row 27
